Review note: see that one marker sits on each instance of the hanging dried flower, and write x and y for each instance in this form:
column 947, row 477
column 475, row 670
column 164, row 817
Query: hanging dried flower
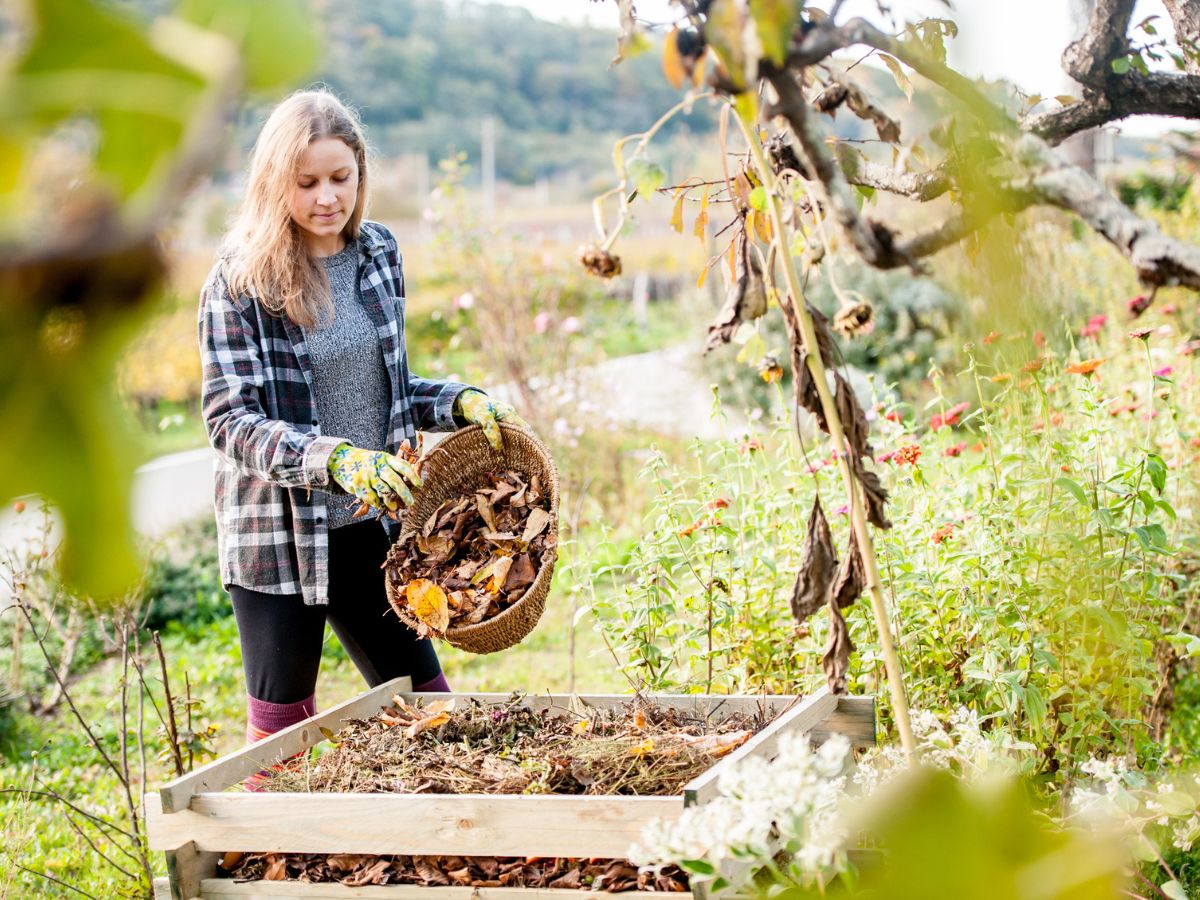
column 855, row 319
column 599, row 261
column 769, row 370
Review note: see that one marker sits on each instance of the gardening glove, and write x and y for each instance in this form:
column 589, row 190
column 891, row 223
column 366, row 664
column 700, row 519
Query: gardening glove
column 480, row 409
column 378, row 479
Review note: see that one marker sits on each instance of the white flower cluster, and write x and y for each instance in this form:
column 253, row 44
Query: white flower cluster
column 1168, row 811
column 804, row 800
column 789, row 801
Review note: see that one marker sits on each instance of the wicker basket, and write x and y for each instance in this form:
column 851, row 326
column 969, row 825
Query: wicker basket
column 460, row 462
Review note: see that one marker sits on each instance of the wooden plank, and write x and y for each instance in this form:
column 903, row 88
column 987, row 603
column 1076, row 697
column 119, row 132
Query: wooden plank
column 230, row 769
column 854, row 718
column 221, row 888
column 424, row 824
column 802, row 717
column 703, row 704
column 187, row 866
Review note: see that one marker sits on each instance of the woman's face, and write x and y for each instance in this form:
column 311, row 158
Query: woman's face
column 324, row 194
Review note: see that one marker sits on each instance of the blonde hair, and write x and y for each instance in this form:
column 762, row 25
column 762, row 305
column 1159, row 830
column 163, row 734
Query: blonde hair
column 265, row 253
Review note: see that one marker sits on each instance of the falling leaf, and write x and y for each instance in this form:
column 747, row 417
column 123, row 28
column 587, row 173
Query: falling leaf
column 429, row 604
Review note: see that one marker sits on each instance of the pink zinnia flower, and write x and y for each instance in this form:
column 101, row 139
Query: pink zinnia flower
column 949, row 417
column 1093, row 326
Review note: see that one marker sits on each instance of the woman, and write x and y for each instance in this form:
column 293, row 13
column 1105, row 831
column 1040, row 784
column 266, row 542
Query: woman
column 306, row 396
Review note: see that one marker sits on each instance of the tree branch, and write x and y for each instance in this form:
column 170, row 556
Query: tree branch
column 1089, row 59
column 1156, row 94
column 921, row 186
column 1158, row 259
column 874, row 245
column 1185, row 16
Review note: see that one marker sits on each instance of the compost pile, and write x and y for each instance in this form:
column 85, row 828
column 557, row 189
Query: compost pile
column 357, row 869
column 459, row 746
column 474, row 557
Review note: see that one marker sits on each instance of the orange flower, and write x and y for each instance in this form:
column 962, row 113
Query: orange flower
column 1001, row 378
column 1087, row 367
column 1034, row 365
column 710, row 522
column 944, row 533
column 909, row 453
column 719, row 503
column 992, row 337
column 955, row 449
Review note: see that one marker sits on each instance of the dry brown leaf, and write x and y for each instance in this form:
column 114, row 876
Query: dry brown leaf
column 818, row 566
column 276, row 868
column 522, row 573
column 500, row 573
column 485, row 510
column 535, row 524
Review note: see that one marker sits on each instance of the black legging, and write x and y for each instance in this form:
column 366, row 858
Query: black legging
column 282, row 637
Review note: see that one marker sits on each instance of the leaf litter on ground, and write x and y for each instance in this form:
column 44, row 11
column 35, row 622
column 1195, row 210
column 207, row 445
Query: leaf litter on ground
column 475, row 556
column 467, row 746
column 464, row 745
column 359, row 869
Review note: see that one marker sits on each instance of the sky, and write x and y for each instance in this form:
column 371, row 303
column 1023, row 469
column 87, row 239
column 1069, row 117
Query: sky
column 1020, row 40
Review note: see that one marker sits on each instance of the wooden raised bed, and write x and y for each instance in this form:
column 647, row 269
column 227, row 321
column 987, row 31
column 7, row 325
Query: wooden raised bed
column 196, row 818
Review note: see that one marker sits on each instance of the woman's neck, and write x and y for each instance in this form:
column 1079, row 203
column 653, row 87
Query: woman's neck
column 325, row 245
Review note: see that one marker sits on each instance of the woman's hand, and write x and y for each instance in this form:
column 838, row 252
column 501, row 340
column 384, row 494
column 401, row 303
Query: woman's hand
column 378, row 479
column 480, row 409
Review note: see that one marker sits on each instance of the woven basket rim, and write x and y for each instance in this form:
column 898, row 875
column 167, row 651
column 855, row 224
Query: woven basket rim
column 520, row 609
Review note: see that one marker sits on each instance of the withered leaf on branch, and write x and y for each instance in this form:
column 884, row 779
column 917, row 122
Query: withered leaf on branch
column 745, row 301
column 885, row 126
column 831, row 97
column 836, row 660
column 851, row 576
column 854, row 420
column 875, row 495
column 818, row 567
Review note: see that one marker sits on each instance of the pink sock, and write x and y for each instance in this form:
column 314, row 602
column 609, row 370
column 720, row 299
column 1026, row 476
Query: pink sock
column 264, row 719
column 436, row 685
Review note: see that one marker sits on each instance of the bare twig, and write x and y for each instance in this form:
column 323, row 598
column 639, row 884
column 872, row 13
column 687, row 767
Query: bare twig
column 169, row 703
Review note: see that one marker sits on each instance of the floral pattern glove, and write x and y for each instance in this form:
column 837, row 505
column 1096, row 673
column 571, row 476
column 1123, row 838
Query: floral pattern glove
column 480, row 409
column 378, row 479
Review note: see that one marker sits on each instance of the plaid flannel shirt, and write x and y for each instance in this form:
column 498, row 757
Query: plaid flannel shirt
column 272, row 484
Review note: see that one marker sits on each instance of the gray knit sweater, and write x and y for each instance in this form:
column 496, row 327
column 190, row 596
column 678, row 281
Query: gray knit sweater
column 350, row 380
